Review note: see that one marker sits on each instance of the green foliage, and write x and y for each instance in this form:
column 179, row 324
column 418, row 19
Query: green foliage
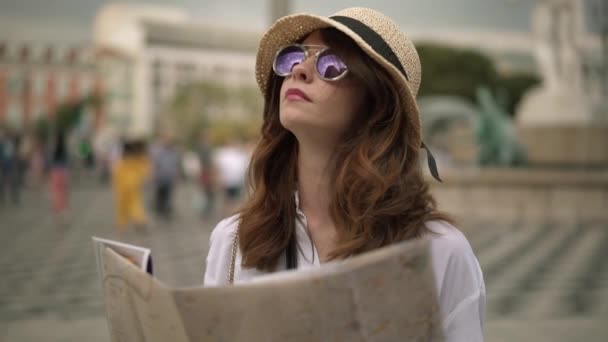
column 514, row 86
column 41, row 129
column 223, row 131
column 66, row 116
column 451, row 71
column 459, row 72
column 206, row 105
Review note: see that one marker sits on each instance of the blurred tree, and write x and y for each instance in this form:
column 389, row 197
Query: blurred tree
column 452, row 71
column 66, row 116
column 512, row 87
column 459, row 72
column 207, row 105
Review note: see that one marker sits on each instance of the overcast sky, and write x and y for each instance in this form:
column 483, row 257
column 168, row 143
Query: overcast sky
column 72, row 20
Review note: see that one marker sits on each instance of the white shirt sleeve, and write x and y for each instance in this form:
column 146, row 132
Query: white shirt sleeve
column 460, row 285
column 220, row 252
column 465, row 323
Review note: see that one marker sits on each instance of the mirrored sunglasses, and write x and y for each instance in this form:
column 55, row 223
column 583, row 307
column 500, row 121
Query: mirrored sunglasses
column 328, row 65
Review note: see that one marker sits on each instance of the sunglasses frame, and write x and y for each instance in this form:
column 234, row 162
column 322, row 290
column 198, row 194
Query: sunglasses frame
column 306, row 48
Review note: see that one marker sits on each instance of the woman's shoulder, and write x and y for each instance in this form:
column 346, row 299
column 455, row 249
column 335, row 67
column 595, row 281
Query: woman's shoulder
column 220, row 251
column 225, row 229
column 450, row 249
column 222, row 239
column 448, row 237
column 452, row 254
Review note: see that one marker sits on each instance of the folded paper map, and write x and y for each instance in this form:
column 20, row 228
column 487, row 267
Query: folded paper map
column 384, row 295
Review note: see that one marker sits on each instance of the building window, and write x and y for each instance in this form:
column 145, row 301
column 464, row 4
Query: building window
column 157, row 82
column 14, row 114
column 157, row 70
column 62, row 86
column 37, row 111
column 85, row 85
column 39, row 84
column 3, row 51
column 185, row 73
column 15, row 84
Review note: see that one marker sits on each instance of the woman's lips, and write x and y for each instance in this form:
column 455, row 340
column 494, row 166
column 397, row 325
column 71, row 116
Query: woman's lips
column 296, row 94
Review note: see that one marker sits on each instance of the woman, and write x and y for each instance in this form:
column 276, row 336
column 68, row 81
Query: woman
column 129, row 176
column 336, row 172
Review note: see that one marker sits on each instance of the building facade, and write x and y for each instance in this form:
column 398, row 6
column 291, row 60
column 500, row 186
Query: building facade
column 35, row 80
column 166, row 50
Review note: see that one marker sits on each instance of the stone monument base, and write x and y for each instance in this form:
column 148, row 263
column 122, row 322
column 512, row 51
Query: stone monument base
column 523, row 196
column 556, row 106
column 566, row 146
column 559, row 128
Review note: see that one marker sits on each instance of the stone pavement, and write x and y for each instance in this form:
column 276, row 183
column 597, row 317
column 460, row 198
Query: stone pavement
column 49, row 289
column 545, row 282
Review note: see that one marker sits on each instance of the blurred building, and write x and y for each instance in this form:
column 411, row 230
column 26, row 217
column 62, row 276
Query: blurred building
column 512, row 51
column 116, row 71
column 35, row 79
column 278, row 9
column 163, row 49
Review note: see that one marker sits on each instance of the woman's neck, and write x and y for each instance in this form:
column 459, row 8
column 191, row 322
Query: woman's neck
column 314, row 182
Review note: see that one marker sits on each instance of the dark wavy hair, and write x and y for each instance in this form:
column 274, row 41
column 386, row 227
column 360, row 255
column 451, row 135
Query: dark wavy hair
column 379, row 195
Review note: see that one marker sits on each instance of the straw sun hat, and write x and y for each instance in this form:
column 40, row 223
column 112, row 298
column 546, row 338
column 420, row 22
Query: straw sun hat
column 375, row 33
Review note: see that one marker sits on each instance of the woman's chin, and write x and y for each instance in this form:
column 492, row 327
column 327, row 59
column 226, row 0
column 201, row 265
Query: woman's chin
column 296, row 122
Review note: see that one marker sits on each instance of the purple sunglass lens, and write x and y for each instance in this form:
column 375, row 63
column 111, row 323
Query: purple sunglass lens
column 330, row 66
column 287, row 59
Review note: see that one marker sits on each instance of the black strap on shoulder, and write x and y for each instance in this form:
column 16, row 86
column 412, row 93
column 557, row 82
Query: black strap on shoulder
column 291, row 255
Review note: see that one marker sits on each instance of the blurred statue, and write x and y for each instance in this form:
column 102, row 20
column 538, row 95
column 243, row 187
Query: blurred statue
column 495, row 133
column 557, row 27
column 557, row 31
column 544, row 30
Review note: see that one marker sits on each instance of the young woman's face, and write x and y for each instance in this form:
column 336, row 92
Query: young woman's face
column 313, row 107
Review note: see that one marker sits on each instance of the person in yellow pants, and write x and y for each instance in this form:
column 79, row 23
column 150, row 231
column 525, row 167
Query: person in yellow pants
column 128, row 177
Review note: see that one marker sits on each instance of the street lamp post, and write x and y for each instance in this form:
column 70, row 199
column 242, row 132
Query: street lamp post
column 600, row 16
column 278, row 9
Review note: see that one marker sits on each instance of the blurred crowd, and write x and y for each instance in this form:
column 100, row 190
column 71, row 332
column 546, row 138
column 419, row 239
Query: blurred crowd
column 143, row 173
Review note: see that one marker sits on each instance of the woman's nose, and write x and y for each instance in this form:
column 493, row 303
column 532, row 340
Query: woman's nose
column 303, row 71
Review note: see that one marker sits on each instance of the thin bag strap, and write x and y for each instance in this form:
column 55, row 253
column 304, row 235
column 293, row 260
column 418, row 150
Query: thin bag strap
column 292, row 260
column 235, row 245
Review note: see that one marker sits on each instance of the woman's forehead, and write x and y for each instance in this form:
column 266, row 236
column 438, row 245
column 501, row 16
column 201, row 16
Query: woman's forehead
column 314, row 38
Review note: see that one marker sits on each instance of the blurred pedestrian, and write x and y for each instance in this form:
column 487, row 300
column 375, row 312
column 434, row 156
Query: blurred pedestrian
column 231, row 161
column 11, row 167
column 37, row 161
column 59, row 178
column 128, row 177
column 166, row 171
column 207, row 175
column 6, row 150
column 105, row 143
column 191, row 169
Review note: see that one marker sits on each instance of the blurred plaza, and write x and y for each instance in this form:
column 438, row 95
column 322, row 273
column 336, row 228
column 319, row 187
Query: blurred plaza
column 101, row 99
column 546, row 281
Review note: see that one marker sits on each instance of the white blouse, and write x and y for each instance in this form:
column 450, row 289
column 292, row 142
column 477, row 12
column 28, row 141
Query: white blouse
column 458, row 277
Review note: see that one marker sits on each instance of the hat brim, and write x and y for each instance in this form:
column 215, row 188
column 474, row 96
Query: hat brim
column 292, row 28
